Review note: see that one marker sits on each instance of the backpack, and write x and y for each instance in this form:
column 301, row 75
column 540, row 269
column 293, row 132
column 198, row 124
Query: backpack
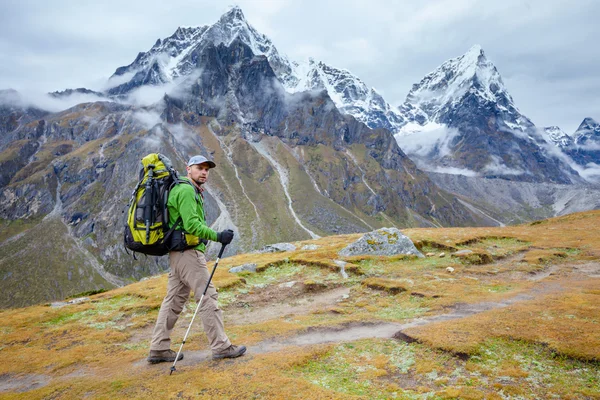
column 147, row 217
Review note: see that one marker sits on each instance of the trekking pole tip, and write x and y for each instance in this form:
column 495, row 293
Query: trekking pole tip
column 172, row 369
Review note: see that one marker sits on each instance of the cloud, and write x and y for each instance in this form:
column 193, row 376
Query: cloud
column 497, row 167
column 182, row 134
column 454, row 171
column 151, row 95
column 181, row 86
column 11, row 98
column 425, row 141
column 117, row 80
column 147, row 118
column 154, row 141
column 590, row 173
column 147, row 95
column 589, row 146
column 46, row 102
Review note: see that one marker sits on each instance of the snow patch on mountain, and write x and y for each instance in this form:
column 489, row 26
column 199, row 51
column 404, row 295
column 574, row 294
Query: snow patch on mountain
column 557, row 136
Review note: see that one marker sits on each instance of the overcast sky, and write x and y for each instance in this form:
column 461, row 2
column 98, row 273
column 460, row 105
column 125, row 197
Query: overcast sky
column 547, row 52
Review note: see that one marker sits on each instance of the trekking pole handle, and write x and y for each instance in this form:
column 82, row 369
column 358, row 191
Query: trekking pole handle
column 221, row 252
column 215, row 268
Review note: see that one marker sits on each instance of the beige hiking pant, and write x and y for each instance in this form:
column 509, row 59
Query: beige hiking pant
column 189, row 272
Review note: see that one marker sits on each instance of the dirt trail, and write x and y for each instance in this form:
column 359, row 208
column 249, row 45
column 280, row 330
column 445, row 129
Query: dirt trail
column 301, row 305
column 364, row 330
column 22, row 383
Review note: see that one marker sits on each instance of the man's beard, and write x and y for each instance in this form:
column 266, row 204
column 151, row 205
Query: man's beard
column 198, row 182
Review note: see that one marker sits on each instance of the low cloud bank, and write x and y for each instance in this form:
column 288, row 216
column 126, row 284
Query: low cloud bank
column 453, row 171
column 497, row 167
column 45, row 101
column 427, row 140
column 148, row 119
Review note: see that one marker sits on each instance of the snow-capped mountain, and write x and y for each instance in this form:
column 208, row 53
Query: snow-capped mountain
column 177, row 55
column 444, row 89
column 461, row 119
column 350, row 94
column 588, row 133
column 557, row 136
column 584, row 149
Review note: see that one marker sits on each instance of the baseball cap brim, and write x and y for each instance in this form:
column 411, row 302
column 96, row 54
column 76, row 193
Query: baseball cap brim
column 200, row 160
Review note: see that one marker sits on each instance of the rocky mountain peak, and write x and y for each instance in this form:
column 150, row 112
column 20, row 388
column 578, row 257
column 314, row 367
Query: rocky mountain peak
column 462, row 120
column 176, row 55
column 587, row 132
column 470, row 73
column 349, row 93
column 588, row 124
column 234, row 22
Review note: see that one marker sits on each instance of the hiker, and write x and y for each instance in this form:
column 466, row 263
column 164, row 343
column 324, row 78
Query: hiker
column 189, row 271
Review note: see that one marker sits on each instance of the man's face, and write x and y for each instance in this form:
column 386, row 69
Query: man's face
column 198, row 173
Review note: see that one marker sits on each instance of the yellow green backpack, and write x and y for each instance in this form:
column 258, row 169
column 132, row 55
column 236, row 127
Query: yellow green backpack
column 147, row 223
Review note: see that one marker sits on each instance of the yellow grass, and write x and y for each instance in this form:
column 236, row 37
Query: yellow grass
column 96, row 349
column 565, row 320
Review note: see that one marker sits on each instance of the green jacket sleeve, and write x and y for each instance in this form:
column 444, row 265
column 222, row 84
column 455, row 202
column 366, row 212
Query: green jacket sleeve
column 193, row 223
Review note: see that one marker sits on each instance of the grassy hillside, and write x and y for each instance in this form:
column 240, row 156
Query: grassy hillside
column 33, row 270
column 516, row 318
column 81, row 164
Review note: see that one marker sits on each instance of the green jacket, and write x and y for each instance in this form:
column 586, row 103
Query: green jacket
column 186, row 201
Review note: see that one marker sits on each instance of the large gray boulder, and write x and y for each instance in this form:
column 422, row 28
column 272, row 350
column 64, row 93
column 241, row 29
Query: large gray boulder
column 382, row 242
column 277, row 248
column 241, row 268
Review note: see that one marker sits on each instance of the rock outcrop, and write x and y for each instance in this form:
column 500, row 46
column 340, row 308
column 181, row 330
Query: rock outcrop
column 382, row 242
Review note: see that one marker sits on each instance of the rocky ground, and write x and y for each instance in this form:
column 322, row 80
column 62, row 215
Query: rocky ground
column 508, row 202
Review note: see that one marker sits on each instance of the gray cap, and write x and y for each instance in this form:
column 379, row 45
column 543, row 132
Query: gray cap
column 199, row 160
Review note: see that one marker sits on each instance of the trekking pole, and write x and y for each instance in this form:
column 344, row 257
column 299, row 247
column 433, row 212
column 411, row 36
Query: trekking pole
column 149, row 200
column 198, row 307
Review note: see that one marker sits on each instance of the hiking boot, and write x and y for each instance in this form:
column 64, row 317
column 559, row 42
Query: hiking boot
column 232, row 351
column 158, row 356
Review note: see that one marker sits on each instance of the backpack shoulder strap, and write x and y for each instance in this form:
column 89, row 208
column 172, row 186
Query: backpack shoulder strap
column 184, row 181
column 170, row 231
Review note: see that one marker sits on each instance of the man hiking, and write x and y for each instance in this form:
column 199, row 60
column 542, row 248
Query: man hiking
column 189, row 271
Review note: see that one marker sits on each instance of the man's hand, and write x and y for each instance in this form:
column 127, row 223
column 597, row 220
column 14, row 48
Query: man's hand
column 225, row 236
